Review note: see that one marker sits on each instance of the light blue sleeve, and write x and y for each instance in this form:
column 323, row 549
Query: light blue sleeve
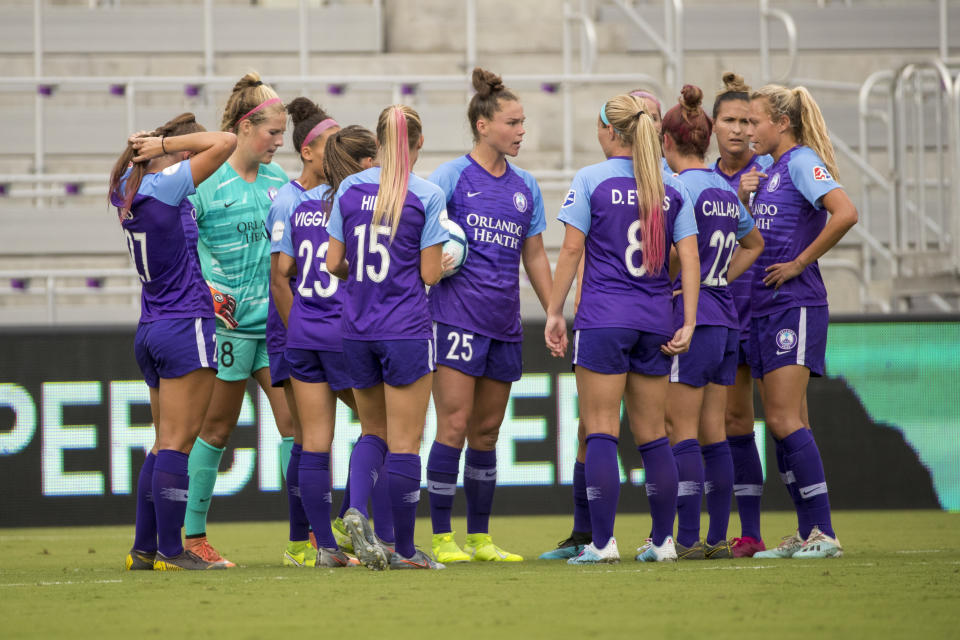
column 446, row 177
column 575, row 210
column 335, row 221
column 171, row 185
column 286, row 241
column 809, row 174
column 538, row 220
column 745, row 223
column 278, row 219
column 685, row 223
column 765, row 162
column 434, row 208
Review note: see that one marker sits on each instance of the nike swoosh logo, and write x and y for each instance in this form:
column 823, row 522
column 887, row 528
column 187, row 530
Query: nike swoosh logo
column 780, row 353
column 470, row 194
column 227, row 204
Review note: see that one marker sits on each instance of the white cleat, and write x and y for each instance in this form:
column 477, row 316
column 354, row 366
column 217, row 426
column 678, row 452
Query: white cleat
column 788, row 546
column 610, row 554
column 819, row 545
column 649, row 552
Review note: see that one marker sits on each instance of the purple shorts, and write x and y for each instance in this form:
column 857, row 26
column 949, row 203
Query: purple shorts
column 477, row 355
column 616, row 350
column 307, row 365
column 712, row 358
column 279, row 369
column 792, row 336
column 395, row 362
column 175, row 347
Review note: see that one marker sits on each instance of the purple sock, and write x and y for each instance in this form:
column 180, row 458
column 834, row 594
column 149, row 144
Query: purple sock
column 790, row 481
column 170, row 484
column 581, row 506
column 602, row 478
column 479, row 484
column 443, row 465
column 747, row 483
column 803, row 458
column 346, row 489
column 145, row 532
column 365, row 464
column 686, row 454
column 404, row 472
column 316, row 496
column 299, row 525
column 718, row 487
column 380, row 506
column 661, row 483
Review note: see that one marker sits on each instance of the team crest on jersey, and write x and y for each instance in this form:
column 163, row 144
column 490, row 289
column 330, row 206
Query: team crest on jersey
column 171, row 170
column 272, row 193
column 786, row 339
column 821, row 174
column 773, row 183
column 520, row 201
column 570, row 200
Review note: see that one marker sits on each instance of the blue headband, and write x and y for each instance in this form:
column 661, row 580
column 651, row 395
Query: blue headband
column 603, row 114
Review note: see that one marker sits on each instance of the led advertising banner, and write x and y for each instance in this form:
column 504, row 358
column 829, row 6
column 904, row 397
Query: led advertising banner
column 75, row 424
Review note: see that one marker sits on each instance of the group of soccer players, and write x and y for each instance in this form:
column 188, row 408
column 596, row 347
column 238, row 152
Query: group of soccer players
column 693, row 281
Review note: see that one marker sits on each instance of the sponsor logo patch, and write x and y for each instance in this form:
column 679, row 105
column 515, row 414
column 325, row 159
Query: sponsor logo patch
column 773, row 182
column 277, row 234
column 272, row 193
column 821, row 174
column 570, row 200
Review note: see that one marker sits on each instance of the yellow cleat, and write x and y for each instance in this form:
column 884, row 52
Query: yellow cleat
column 299, row 553
column 445, row 549
column 481, row 549
column 341, row 536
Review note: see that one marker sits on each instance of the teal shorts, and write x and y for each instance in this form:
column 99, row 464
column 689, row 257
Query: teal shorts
column 238, row 358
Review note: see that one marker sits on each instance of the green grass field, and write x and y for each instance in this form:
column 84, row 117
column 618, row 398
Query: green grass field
column 900, row 577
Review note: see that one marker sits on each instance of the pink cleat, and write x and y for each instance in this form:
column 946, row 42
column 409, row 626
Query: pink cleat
column 745, row 547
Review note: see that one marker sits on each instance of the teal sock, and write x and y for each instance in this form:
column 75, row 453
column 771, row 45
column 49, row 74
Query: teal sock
column 202, row 468
column 286, row 446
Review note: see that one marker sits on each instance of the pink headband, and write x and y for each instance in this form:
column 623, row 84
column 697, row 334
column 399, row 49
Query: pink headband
column 647, row 96
column 317, row 130
column 265, row 103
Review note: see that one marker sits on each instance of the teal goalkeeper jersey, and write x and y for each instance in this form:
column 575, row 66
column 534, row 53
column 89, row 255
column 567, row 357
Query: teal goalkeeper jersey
column 234, row 243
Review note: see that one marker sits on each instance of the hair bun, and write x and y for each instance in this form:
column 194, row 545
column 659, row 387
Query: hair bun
column 486, row 82
column 734, row 83
column 301, row 109
column 691, row 97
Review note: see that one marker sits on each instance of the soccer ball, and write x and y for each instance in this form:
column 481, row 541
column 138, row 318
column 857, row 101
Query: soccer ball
column 456, row 246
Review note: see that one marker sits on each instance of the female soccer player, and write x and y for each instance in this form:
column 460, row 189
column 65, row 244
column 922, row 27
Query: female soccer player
column 312, row 127
column 788, row 336
column 314, row 346
column 175, row 343
column 696, row 398
column 476, row 314
column 624, row 215
column 580, row 536
column 232, row 208
column 385, row 234
column 737, row 161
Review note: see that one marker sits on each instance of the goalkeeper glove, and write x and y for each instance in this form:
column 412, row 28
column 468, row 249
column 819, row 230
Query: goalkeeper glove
column 223, row 307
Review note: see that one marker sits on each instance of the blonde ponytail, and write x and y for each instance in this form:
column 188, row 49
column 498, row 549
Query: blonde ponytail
column 635, row 127
column 806, row 120
column 398, row 132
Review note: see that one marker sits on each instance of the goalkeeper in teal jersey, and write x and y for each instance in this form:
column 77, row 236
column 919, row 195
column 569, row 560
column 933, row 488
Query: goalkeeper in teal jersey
column 234, row 248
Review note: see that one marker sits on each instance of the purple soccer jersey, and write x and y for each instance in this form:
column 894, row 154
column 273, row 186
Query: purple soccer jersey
column 385, row 297
column 162, row 247
column 742, row 287
column 617, row 290
column 288, row 197
column 788, row 212
column 315, row 318
column 497, row 215
column 721, row 221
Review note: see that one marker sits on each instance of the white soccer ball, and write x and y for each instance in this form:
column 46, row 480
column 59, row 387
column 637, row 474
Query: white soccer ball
column 456, row 246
